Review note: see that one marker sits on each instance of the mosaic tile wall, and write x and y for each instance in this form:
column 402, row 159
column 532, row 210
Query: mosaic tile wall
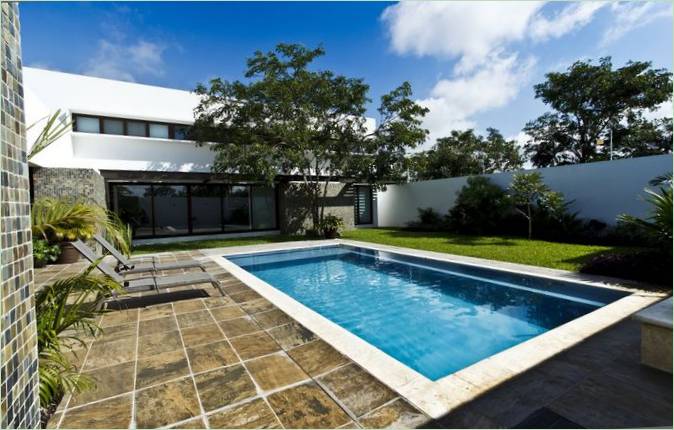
column 18, row 342
column 75, row 183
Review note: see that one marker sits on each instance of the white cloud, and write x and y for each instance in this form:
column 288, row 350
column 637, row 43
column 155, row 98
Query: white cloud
column 632, row 15
column 119, row 60
column 452, row 102
column 573, row 16
column 661, row 111
column 469, row 30
column 522, row 138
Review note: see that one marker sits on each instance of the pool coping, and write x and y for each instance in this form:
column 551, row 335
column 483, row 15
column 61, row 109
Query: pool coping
column 437, row 398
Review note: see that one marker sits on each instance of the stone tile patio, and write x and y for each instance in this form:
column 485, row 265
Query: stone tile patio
column 200, row 360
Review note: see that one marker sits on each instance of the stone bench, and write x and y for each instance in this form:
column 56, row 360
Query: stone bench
column 656, row 335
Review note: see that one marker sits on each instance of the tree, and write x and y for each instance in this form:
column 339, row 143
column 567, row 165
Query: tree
column 528, row 192
column 289, row 119
column 465, row 153
column 479, row 207
column 588, row 100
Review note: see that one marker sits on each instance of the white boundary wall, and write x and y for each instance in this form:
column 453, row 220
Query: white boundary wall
column 600, row 190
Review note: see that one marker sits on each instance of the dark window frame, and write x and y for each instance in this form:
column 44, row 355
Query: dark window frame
column 357, row 205
column 189, row 185
column 171, row 126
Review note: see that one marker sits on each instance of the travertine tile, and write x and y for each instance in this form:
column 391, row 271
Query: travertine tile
column 254, row 345
column 210, row 356
column 307, row 406
column 165, row 404
column 291, row 335
column 222, row 387
column 109, row 382
column 252, row 415
column 227, row 313
column 398, row 414
column 160, row 368
column 239, row 326
column 157, row 325
column 159, row 343
column 275, row 371
column 109, row 414
column 272, row 318
column 193, row 319
column 199, row 335
column 317, row 357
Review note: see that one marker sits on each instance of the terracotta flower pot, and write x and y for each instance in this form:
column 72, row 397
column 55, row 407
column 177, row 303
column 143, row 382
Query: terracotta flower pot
column 68, row 254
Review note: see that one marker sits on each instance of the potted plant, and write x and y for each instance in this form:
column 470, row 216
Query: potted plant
column 331, row 226
column 62, row 221
column 44, row 253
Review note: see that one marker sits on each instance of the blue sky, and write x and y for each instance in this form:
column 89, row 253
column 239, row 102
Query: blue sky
column 472, row 63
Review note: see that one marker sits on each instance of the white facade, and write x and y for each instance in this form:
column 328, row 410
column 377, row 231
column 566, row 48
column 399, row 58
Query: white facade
column 47, row 91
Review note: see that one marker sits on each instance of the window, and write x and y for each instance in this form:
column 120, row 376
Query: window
column 159, row 130
column 113, row 126
column 236, row 208
column 133, row 204
column 170, row 210
column 180, row 132
column 87, row 124
column 363, row 204
column 263, row 202
column 136, row 128
column 206, row 208
column 157, row 210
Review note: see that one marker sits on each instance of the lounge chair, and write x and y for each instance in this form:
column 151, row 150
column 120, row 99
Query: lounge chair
column 153, row 283
column 128, row 266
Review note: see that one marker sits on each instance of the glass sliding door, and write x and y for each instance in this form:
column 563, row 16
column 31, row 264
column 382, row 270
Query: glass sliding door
column 263, row 205
column 236, row 208
column 133, row 204
column 363, row 204
column 170, row 210
column 206, row 208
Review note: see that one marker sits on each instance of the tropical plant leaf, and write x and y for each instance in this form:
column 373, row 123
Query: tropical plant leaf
column 51, row 132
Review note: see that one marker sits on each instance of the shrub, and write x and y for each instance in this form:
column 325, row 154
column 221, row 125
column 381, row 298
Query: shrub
column 650, row 266
column 65, row 311
column 330, row 226
column 44, row 253
column 531, row 198
column 429, row 219
column 480, row 207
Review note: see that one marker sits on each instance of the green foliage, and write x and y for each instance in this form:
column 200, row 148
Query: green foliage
column 590, row 99
column 44, row 253
column 331, row 225
column 51, row 132
column 429, row 219
column 529, row 193
column 479, row 208
column 465, row 153
column 65, row 312
column 58, row 220
column 288, row 118
column 659, row 224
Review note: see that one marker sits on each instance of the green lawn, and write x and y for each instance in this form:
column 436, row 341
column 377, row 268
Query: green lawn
column 565, row 256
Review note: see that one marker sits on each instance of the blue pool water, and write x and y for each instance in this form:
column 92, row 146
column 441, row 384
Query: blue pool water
column 435, row 317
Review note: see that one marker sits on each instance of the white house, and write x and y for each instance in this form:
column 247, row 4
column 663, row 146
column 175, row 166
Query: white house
column 127, row 150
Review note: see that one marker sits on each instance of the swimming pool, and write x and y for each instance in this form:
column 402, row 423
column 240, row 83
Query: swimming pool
column 435, row 317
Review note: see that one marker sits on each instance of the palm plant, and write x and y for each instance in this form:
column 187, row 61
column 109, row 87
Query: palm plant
column 66, row 312
column 51, row 132
column 58, row 220
column 659, row 223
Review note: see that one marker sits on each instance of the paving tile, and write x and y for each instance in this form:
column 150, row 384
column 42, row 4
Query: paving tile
column 109, row 414
column 234, row 286
column 194, row 319
column 307, row 406
column 215, row 302
column 54, row 420
column 356, row 389
column 211, row 355
column 119, row 317
column 157, row 311
column 254, row 345
column 227, row 313
column 255, row 414
column 239, row 326
column 117, row 331
column 167, row 403
column 202, row 334
column 291, row 335
column 159, row 343
column 245, row 296
column 397, row 414
column 185, row 306
column 157, row 325
column 161, row 368
column 104, row 354
column 272, row 318
column 275, row 371
column 257, row 306
column 109, row 382
column 197, row 423
column 222, row 387
column 317, row 357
